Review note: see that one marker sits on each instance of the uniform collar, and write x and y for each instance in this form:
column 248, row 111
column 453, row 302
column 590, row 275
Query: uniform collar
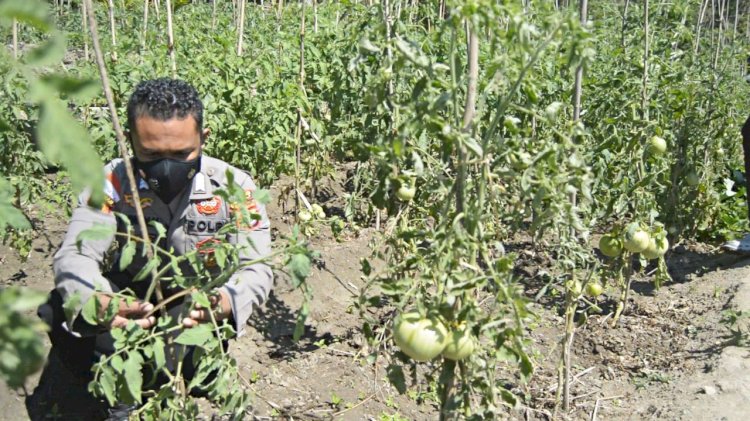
column 202, row 188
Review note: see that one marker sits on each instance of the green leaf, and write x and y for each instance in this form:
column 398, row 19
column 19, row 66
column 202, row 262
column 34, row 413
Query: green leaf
column 299, row 327
column 112, row 309
column 23, row 299
column 201, row 298
column 262, row 196
column 146, row 269
column 133, row 375
column 117, row 363
column 161, row 232
column 49, row 53
column 4, row 126
column 299, row 266
column 30, row 12
column 62, row 139
column 126, row 255
column 9, row 215
column 158, row 350
column 108, row 382
column 71, row 305
column 72, row 87
column 473, row 146
column 98, row 232
column 196, row 336
column 90, row 311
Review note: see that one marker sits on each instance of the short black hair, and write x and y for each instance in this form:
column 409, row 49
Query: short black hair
column 163, row 99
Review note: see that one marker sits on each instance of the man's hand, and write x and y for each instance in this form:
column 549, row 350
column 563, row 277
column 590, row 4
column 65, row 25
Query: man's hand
column 135, row 311
column 220, row 306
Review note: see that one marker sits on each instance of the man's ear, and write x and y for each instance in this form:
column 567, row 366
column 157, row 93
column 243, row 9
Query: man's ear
column 204, row 135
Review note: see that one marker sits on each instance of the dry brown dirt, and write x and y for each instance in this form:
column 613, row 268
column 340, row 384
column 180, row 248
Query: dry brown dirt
column 669, row 359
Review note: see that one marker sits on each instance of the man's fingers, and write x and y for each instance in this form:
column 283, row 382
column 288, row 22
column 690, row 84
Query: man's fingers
column 122, row 322
column 119, row 321
column 135, row 308
column 200, row 314
column 188, row 322
column 146, row 323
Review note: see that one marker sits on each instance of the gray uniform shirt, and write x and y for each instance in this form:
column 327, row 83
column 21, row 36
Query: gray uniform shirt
column 191, row 219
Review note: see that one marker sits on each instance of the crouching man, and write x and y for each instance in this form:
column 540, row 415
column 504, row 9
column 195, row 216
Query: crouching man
column 177, row 184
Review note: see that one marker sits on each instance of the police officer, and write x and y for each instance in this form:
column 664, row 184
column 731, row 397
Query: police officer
column 176, row 184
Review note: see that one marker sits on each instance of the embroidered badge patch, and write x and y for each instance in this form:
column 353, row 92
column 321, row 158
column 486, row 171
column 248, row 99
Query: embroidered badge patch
column 252, row 208
column 206, row 250
column 145, row 201
column 209, row 206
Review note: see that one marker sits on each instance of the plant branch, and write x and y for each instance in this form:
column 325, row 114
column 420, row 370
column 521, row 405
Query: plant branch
column 120, row 138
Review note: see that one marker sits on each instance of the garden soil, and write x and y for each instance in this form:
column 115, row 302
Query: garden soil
column 669, row 358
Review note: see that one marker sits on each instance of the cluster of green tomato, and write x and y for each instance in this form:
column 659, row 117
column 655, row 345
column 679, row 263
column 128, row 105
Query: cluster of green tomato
column 425, row 337
column 635, row 240
column 316, row 210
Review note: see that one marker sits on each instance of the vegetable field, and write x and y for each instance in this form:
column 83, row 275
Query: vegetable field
column 486, row 209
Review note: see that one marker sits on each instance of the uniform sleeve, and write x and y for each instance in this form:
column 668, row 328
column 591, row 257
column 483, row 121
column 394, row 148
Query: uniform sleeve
column 78, row 272
column 250, row 286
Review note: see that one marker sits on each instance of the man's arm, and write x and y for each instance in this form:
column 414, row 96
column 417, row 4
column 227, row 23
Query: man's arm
column 78, row 273
column 250, row 286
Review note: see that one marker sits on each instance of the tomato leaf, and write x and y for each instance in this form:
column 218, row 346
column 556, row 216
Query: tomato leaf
column 196, row 336
column 126, row 255
column 133, row 375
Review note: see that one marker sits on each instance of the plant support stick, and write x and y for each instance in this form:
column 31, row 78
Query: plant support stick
column 120, row 138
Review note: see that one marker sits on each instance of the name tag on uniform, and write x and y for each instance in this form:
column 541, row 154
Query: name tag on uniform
column 199, row 226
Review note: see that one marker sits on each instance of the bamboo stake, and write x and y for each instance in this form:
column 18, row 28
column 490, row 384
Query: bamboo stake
column 315, row 16
column 469, row 112
column 170, row 39
column 241, row 27
column 145, row 28
column 736, row 19
column 298, row 130
column 85, row 26
column 15, row 39
column 583, row 11
column 157, row 6
column 570, row 330
column 644, row 91
column 112, row 29
column 213, row 15
column 720, row 36
column 624, row 23
column 704, row 6
column 713, row 21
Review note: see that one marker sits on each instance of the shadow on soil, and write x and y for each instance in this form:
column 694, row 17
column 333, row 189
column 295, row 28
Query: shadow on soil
column 276, row 322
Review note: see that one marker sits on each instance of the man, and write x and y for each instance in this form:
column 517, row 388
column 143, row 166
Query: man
column 176, row 183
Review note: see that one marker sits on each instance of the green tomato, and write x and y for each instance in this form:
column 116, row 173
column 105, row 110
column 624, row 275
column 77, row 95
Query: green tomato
column 460, row 345
column 637, row 240
column 657, row 247
column 594, row 289
column 610, row 245
column 421, row 338
column 657, row 145
column 318, row 211
column 304, row 216
column 405, row 193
